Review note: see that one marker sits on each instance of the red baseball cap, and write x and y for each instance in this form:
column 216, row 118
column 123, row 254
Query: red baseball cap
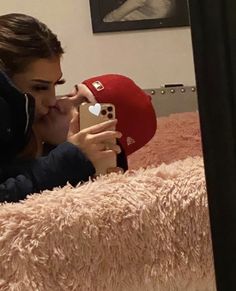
column 134, row 110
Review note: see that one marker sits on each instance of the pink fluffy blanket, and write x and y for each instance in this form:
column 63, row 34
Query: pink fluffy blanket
column 177, row 137
column 147, row 230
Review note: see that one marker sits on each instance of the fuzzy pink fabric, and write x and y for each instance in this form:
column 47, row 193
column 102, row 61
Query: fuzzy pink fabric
column 177, row 137
column 147, row 230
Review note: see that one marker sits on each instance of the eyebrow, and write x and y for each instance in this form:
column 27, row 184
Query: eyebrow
column 58, row 82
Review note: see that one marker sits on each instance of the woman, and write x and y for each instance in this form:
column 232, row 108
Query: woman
column 30, row 56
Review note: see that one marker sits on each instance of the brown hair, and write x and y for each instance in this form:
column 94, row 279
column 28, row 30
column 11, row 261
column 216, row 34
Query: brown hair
column 23, row 39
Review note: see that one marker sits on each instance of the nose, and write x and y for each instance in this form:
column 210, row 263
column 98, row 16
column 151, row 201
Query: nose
column 47, row 101
column 50, row 99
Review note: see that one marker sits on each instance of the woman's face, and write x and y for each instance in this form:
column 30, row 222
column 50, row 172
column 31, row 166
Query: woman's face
column 40, row 79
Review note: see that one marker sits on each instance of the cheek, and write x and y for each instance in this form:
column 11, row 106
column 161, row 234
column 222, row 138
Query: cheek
column 42, row 103
column 53, row 128
column 37, row 105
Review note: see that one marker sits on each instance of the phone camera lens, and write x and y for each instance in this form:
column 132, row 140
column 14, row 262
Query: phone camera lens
column 109, row 108
column 109, row 115
column 103, row 112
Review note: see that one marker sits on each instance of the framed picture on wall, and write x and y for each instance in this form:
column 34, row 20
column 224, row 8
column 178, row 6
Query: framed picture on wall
column 122, row 15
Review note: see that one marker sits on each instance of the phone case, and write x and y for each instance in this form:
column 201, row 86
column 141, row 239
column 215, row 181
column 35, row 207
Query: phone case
column 92, row 114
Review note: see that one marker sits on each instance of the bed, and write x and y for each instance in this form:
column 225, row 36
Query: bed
column 146, row 230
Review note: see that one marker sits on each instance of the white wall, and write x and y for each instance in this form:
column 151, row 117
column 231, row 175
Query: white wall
column 150, row 57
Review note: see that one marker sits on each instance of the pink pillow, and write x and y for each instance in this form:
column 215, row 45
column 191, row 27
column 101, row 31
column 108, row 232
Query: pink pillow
column 177, row 137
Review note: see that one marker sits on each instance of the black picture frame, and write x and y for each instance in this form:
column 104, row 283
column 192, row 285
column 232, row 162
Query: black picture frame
column 100, row 8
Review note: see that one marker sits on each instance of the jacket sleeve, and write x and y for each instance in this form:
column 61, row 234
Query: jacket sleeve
column 66, row 163
column 121, row 159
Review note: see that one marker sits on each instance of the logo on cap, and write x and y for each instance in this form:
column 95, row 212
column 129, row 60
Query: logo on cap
column 130, row 140
column 98, row 85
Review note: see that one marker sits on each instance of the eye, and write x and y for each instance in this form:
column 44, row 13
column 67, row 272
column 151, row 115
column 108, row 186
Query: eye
column 38, row 88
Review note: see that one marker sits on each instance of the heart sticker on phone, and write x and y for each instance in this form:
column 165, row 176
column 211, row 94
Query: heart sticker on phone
column 95, row 109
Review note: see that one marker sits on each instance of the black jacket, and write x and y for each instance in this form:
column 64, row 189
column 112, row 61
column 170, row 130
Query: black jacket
column 65, row 163
column 16, row 117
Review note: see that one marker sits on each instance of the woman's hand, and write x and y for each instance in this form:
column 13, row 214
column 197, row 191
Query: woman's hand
column 62, row 120
column 80, row 94
column 91, row 141
column 53, row 128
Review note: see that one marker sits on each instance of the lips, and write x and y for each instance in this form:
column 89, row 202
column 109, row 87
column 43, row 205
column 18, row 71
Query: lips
column 52, row 109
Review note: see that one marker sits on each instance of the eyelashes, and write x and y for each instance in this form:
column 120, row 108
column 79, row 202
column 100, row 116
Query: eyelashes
column 61, row 82
column 38, row 88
